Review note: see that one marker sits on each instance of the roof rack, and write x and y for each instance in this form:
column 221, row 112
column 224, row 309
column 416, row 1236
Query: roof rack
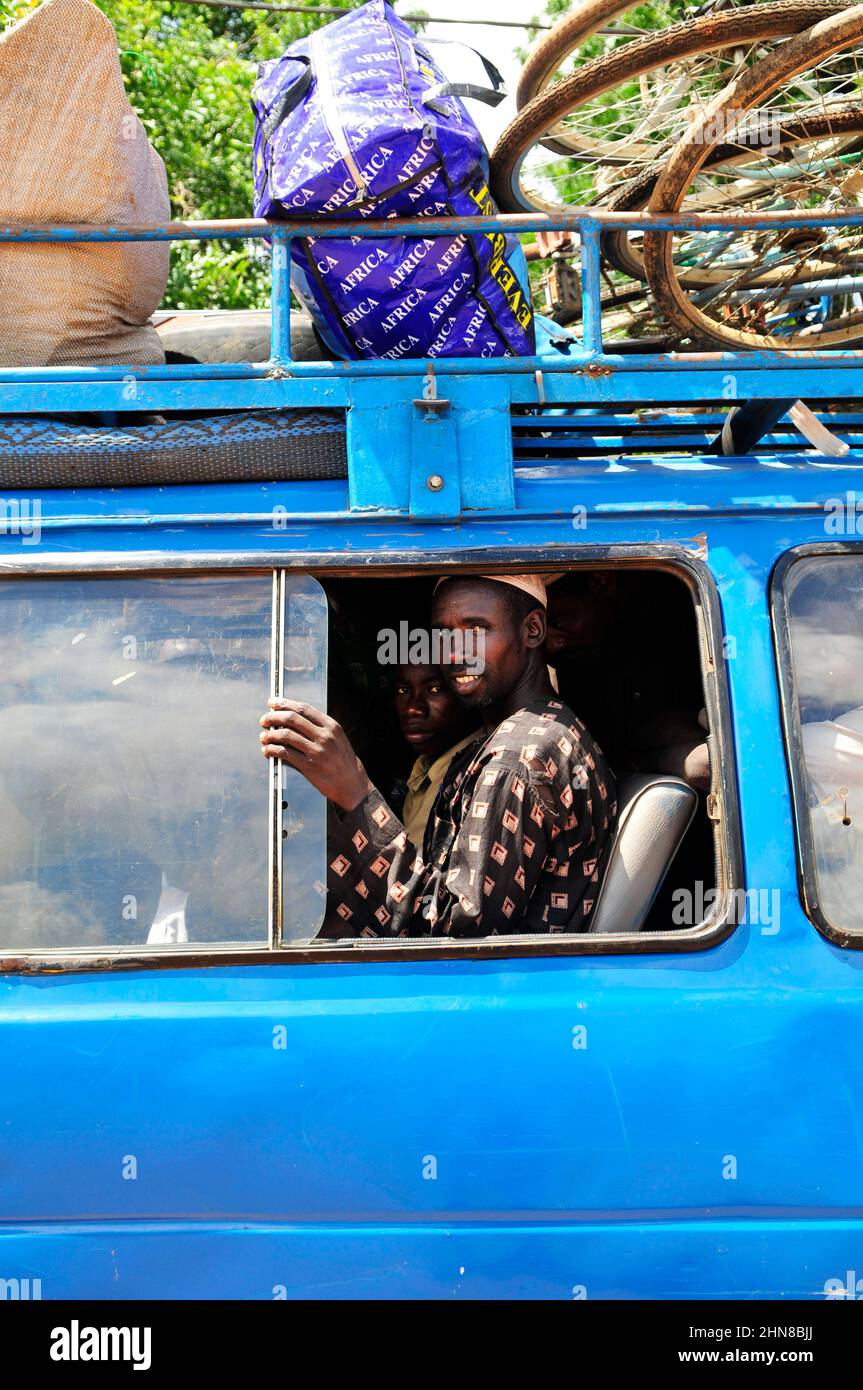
column 432, row 439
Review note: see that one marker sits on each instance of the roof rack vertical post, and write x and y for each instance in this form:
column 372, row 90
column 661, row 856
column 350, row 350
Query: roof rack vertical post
column 591, row 284
column 280, row 301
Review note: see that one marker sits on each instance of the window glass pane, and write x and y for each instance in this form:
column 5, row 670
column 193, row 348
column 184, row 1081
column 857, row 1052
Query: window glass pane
column 304, row 817
column 825, row 604
column 134, row 796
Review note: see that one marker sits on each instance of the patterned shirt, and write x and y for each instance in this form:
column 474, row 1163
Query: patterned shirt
column 515, row 842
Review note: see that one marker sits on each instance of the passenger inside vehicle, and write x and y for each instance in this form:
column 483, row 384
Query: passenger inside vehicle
column 523, row 818
column 432, row 724
column 625, row 649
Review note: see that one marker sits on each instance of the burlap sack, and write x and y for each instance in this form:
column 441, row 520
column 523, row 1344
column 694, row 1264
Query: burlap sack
column 73, row 151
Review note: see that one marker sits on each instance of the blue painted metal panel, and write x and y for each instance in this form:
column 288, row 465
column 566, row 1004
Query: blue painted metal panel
column 435, row 472
column 235, row 518
column 609, row 381
column 742, row 1257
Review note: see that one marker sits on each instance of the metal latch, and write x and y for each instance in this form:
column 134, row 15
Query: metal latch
column 430, row 402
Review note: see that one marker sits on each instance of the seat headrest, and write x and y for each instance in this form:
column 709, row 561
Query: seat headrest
column 654, row 813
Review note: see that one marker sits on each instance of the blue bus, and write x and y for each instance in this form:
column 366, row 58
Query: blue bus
column 204, row 1097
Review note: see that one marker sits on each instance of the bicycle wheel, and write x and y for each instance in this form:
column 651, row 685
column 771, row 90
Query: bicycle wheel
column 736, row 179
column 823, row 265
column 612, row 127
column 561, row 42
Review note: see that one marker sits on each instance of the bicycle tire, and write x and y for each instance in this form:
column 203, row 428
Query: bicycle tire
column 619, row 252
column 725, row 29
column 801, row 53
column 560, row 41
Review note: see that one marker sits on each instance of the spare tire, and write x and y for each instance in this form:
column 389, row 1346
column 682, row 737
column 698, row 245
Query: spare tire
column 233, row 335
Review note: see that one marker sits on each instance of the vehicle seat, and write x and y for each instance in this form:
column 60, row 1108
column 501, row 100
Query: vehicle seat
column 654, row 813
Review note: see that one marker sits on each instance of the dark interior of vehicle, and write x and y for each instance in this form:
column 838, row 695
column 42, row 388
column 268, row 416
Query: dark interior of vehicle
column 623, row 650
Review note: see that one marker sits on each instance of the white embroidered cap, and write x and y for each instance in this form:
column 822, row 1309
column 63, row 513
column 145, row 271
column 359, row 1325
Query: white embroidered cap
column 533, row 584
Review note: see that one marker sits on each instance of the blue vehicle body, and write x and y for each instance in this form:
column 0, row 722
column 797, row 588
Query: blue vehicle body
column 641, row 1123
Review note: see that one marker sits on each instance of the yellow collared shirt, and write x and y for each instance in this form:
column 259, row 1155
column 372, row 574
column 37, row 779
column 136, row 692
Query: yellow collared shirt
column 423, row 784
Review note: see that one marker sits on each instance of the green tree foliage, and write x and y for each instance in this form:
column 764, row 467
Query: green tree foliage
column 189, row 71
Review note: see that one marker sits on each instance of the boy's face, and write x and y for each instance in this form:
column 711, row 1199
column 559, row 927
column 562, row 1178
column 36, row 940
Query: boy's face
column 430, row 716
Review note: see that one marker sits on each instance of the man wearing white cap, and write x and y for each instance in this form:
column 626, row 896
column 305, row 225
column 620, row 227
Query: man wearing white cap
column 519, row 830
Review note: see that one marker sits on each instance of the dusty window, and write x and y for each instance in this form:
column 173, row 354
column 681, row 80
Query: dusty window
column 823, row 604
column 136, row 805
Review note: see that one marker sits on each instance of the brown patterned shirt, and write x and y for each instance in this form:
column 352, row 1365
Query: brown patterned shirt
column 515, row 842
